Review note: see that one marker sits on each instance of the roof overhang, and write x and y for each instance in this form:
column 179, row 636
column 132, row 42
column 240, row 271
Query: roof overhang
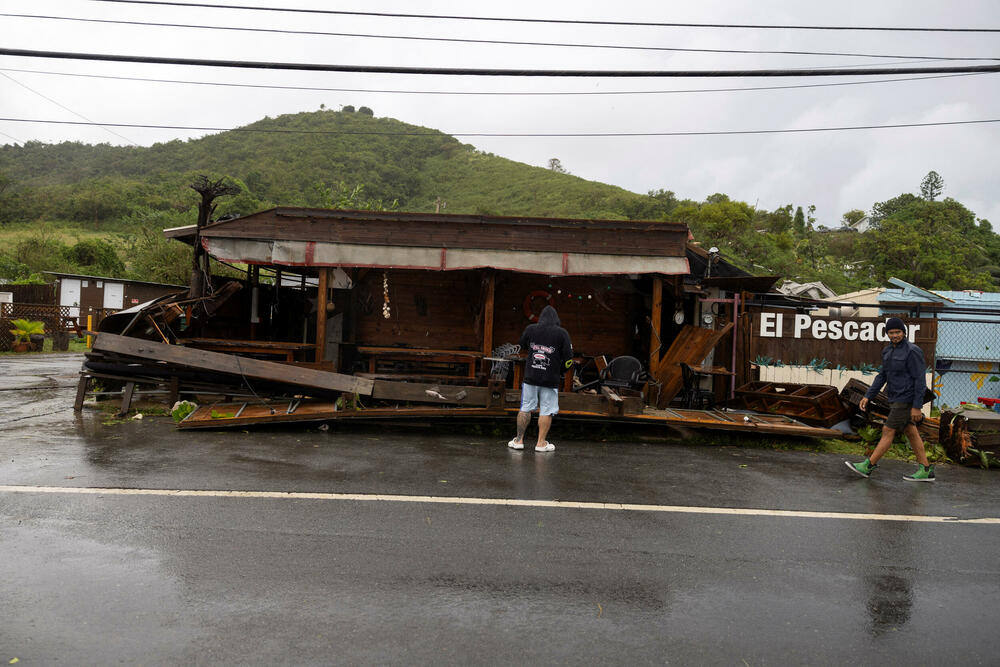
column 320, row 254
column 438, row 242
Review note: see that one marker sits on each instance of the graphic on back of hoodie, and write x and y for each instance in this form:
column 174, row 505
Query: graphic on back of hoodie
column 541, row 356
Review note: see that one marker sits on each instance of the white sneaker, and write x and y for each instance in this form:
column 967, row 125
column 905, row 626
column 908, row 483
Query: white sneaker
column 514, row 444
column 547, row 447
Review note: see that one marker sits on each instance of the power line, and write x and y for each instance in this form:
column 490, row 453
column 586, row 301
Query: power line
column 508, row 134
column 468, row 71
column 63, row 106
column 459, row 40
column 228, row 84
column 557, row 21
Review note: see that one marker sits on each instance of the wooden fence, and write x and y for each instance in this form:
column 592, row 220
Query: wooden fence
column 32, row 293
column 54, row 318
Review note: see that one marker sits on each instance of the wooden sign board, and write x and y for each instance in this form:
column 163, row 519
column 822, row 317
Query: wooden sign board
column 798, row 338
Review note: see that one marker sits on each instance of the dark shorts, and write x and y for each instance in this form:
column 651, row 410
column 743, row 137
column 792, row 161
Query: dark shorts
column 899, row 416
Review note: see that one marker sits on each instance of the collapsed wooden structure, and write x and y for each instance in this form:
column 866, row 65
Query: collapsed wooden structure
column 412, row 315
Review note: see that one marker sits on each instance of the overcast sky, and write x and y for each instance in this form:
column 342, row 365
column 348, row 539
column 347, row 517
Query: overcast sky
column 835, row 171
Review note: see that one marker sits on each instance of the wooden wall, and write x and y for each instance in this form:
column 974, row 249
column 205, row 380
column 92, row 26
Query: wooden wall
column 598, row 312
column 427, row 309
column 443, row 310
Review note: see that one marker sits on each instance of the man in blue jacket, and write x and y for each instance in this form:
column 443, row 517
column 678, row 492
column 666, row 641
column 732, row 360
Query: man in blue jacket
column 550, row 354
column 903, row 370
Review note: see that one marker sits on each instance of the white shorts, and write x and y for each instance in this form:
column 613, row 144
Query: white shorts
column 543, row 399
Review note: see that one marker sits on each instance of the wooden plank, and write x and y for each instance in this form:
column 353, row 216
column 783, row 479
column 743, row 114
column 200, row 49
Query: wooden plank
column 691, row 346
column 318, row 411
column 576, row 402
column 321, row 296
column 488, row 308
column 81, row 393
column 174, row 387
column 232, row 364
column 430, row 393
column 655, row 323
column 246, row 415
column 127, row 393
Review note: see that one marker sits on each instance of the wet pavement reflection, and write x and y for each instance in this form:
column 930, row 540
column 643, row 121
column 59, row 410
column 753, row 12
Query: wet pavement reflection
column 97, row 579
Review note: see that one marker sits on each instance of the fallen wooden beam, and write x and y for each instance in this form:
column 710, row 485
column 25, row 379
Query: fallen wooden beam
column 246, row 414
column 426, row 393
column 244, row 367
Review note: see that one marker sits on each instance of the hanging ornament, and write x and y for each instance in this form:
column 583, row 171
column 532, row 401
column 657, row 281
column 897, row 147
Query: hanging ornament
column 385, row 295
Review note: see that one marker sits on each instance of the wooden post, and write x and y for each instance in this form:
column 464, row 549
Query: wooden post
column 126, row 398
column 175, row 390
column 321, row 297
column 488, row 304
column 81, row 393
column 655, row 318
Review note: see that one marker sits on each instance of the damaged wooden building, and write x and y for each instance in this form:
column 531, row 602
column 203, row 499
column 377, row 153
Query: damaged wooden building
column 419, row 314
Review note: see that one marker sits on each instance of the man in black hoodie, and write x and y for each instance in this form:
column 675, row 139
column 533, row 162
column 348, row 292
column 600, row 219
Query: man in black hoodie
column 550, row 354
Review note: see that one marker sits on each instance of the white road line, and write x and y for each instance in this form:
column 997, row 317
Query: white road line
column 512, row 502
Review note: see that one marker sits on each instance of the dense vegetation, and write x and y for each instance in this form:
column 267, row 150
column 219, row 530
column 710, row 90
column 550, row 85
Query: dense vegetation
column 99, row 209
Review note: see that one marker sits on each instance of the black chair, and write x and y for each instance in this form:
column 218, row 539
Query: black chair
column 621, row 373
column 694, row 397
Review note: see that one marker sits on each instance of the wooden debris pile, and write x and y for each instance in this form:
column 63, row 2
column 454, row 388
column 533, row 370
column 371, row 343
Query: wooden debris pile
column 811, row 403
column 971, row 437
column 878, row 408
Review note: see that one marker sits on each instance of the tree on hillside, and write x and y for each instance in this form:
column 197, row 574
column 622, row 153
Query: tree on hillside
column 343, row 196
column 778, row 221
column 8, row 199
column 799, row 222
column 366, row 111
column 348, row 108
column 158, row 259
column 931, row 186
column 882, row 210
column 556, row 165
column 98, row 257
column 933, row 244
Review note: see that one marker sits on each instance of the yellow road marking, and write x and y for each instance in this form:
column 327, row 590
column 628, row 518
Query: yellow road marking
column 511, row 502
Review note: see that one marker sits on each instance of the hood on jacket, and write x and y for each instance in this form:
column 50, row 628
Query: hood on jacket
column 549, row 317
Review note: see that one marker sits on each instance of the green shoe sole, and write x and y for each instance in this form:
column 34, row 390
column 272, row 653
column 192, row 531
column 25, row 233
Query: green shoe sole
column 854, row 469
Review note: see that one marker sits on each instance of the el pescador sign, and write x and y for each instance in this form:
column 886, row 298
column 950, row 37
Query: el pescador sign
column 772, row 325
column 797, row 338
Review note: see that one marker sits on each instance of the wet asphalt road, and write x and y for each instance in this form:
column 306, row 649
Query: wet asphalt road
column 154, row 579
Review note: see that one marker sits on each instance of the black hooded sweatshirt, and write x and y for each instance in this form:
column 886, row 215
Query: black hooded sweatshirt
column 549, row 350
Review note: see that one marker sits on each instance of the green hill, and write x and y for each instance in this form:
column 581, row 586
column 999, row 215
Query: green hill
column 280, row 161
column 99, row 209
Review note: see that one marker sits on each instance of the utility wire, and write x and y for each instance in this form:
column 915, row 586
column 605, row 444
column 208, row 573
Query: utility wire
column 228, row 84
column 14, row 139
column 485, row 41
column 558, row 21
column 469, row 71
column 63, row 106
column 506, row 134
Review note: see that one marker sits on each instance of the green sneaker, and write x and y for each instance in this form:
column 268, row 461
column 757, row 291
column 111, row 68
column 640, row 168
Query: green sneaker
column 864, row 468
column 921, row 475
